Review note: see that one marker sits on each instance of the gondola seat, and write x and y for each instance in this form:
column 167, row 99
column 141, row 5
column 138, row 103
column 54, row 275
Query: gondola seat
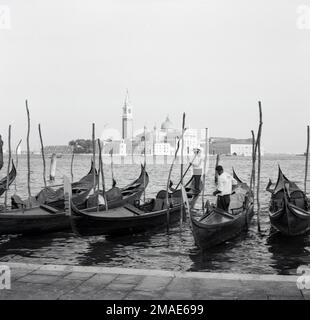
column 298, row 199
column 277, row 204
column 159, row 204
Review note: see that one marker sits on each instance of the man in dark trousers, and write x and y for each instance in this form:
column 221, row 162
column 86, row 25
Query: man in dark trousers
column 224, row 188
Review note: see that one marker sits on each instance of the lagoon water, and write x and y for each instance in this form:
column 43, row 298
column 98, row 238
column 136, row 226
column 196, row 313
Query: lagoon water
column 251, row 252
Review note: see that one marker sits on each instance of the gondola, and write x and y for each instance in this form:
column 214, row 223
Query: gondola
column 289, row 210
column 46, row 218
column 133, row 217
column 216, row 226
column 55, row 198
column 3, row 181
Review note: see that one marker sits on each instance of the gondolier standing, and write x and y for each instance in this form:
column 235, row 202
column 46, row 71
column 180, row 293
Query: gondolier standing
column 197, row 167
column 224, row 188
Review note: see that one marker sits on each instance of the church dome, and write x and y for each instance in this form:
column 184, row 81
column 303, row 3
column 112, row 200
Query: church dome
column 167, row 124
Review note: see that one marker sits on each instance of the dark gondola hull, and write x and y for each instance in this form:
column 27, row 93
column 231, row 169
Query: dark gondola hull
column 207, row 236
column 84, row 223
column 3, row 181
column 91, row 226
column 284, row 214
column 217, row 226
column 291, row 221
column 32, row 221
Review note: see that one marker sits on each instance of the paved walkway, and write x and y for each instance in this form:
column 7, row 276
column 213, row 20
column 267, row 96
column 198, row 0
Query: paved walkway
column 32, row 281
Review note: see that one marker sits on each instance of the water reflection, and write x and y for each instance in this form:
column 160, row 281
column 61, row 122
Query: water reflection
column 288, row 253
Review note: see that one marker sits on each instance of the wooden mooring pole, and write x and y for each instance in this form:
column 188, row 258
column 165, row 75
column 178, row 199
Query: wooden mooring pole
column 43, row 156
column 205, row 169
column 28, row 155
column 252, row 180
column 8, row 169
column 16, row 162
column 182, row 164
column 307, row 158
column 1, row 152
column 94, row 156
column 258, row 148
column 144, row 162
column 216, row 164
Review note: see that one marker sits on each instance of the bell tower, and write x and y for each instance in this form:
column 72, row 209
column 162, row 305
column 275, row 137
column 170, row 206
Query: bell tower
column 127, row 120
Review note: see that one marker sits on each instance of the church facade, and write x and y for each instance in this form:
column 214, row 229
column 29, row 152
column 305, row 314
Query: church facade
column 162, row 140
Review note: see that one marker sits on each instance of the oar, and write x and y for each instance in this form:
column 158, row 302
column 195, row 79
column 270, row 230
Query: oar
column 191, row 163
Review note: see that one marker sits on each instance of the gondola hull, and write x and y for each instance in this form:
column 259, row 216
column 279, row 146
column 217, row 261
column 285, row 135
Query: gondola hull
column 291, row 221
column 217, row 226
column 33, row 221
column 209, row 235
column 289, row 208
column 133, row 219
column 119, row 223
column 3, row 181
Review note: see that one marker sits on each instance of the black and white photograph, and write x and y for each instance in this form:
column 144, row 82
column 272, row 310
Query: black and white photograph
column 154, row 150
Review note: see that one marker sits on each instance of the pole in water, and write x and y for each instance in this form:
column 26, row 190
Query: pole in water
column 182, row 165
column 1, row 152
column 53, row 167
column 144, row 163
column 94, row 156
column 8, row 169
column 205, row 169
column 28, row 155
column 252, row 180
column 216, row 164
column 307, row 158
column 16, row 157
column 258, row 148
column 71, row 165
column 43, row 156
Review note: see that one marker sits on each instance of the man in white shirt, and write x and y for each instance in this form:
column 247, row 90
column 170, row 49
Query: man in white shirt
column 224, row 188
column 197, row 168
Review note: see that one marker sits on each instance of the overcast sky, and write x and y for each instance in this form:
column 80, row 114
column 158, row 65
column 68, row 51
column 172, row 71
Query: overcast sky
column 73, row 61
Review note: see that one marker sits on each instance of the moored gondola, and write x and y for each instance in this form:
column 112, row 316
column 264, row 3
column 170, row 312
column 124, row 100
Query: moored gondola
column 216, row 226
column 46, row 218
column 3, row 181
column 55, row 198
column 289, row 210
column 133, row 218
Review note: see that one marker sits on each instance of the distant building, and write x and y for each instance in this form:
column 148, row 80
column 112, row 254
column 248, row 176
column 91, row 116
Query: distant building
column 241, row 150
column 127, row 119
column 223, row 145
column 162, row 149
